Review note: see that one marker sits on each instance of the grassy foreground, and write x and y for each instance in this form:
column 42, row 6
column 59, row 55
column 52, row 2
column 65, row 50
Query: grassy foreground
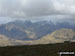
column 37, row 50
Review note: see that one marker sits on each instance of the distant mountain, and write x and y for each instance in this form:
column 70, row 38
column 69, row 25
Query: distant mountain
column 27, row 30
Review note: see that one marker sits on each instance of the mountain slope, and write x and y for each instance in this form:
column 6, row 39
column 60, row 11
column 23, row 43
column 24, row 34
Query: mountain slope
column 57, row 36
column 60, row 35
column 4, row 41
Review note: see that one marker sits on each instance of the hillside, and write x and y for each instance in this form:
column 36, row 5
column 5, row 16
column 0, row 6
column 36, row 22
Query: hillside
column 4, row 41
column 58, row 36
column 37, row 50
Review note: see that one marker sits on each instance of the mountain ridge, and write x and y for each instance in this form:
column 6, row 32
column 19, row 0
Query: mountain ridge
column 26, row 30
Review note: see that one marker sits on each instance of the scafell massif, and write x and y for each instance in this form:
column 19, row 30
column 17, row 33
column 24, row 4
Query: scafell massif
column 41, row 32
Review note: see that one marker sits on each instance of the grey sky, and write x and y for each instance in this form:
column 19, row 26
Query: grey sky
column 36, row 8
column 31, row 8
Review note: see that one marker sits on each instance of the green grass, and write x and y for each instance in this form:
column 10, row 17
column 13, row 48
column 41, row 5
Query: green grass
column 36, row 50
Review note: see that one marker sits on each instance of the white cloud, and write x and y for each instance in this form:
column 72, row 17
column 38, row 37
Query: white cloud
column 32, row 8
column 65, row 6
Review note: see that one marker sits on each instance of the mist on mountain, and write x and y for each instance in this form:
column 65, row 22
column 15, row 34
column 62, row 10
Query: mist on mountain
column 28, row 30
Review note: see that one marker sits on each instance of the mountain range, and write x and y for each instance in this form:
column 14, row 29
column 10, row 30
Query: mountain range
column 27, row 32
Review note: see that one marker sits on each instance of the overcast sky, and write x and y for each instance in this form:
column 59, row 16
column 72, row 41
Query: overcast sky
column 35, row 8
